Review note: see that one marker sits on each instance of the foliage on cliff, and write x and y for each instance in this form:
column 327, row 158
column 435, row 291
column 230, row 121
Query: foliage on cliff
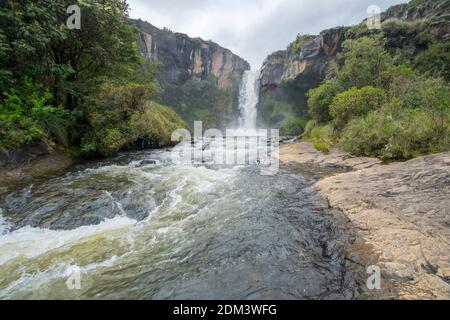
column 198, row 100
column 279, row 109
column 122, row 116
column 84, row 89
column 299, row 42
column 378, row 107
column 414, row 37
column 199, row 78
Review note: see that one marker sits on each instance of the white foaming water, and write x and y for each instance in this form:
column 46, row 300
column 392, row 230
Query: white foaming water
column 248, row 99
column 31, row 242
column 172, row 219
column 4, row 226
column 204, row 229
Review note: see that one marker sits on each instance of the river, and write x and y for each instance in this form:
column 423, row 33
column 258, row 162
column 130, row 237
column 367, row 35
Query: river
column 141, row 225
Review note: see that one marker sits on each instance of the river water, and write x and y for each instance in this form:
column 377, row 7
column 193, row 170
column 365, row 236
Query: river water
column 143, row 225
column 140, row 226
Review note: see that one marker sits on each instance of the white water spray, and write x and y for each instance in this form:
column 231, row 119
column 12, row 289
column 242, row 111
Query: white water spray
column 248, row 99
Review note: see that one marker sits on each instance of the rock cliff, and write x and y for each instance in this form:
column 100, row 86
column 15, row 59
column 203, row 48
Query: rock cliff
column 184, row 58
column 435, row 11
column 307, row 64
column 311, row 59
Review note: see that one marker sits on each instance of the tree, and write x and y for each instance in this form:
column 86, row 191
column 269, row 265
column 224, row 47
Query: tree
column 94, row 75
column 365, row 63
column 435, row 60
column 70, row 62
column 355, row 103
column 320, row 99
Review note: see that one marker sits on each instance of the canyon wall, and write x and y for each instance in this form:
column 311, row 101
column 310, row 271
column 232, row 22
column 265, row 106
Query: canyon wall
column 200, row 79
column 311, row 59
column 184, row 58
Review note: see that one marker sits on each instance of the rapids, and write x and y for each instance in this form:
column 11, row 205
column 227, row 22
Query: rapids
column 141, row 226
column 149, row 225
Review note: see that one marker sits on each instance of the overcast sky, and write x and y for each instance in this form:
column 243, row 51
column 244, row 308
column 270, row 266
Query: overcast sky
column 252, row 28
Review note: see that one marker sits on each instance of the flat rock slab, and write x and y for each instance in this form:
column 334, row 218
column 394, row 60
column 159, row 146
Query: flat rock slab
column 304, row 152
column 400, row 209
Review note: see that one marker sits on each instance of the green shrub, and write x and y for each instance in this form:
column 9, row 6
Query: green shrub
column 402, row 80
column 56, row 122
column 121, row 118
column 367, row 136
column 156, row 123
column 365, row 62
column 359, row 31
column 355, row 103
column 293, row 125
column 27, row 114
column 16, row 129
column 396, row 29
column 309, row 127
column 435, row 60
column 378, row 105
column 323, row 138
column 436, row 103
column 113, row 141
column 300, row 41
column 320, row 99
column 398, row 132
column 282, row 114
column 200, row 101
column 274, row 111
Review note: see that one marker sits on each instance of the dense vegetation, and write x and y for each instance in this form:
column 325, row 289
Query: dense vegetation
column 86, row 90
column 281, row 108
column 391, row 95
column 200, row 101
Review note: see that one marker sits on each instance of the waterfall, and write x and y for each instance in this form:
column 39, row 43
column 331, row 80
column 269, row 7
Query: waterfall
column 248, row 99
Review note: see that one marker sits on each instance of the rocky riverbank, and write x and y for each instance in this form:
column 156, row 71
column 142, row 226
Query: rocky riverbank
column 31, row 161
column 401, row 210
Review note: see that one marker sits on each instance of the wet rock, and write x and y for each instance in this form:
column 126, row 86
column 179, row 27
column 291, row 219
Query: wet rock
column 23, row 154
column 31, row 160
column 147, row 162
column 404, row 208
column 401, row 210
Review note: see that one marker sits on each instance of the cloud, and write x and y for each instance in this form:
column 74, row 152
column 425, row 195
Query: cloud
column 252, row 28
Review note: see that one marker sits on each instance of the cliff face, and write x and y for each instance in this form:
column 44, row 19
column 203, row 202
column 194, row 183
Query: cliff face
column 307, row 65
column 185, row 58
column 287, row 75
column 310, row 63
column 435, row 11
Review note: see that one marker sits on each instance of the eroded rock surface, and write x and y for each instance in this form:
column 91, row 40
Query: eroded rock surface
column 401, row 210
column 304, row 152
column 33, row 159
column 308, row 65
